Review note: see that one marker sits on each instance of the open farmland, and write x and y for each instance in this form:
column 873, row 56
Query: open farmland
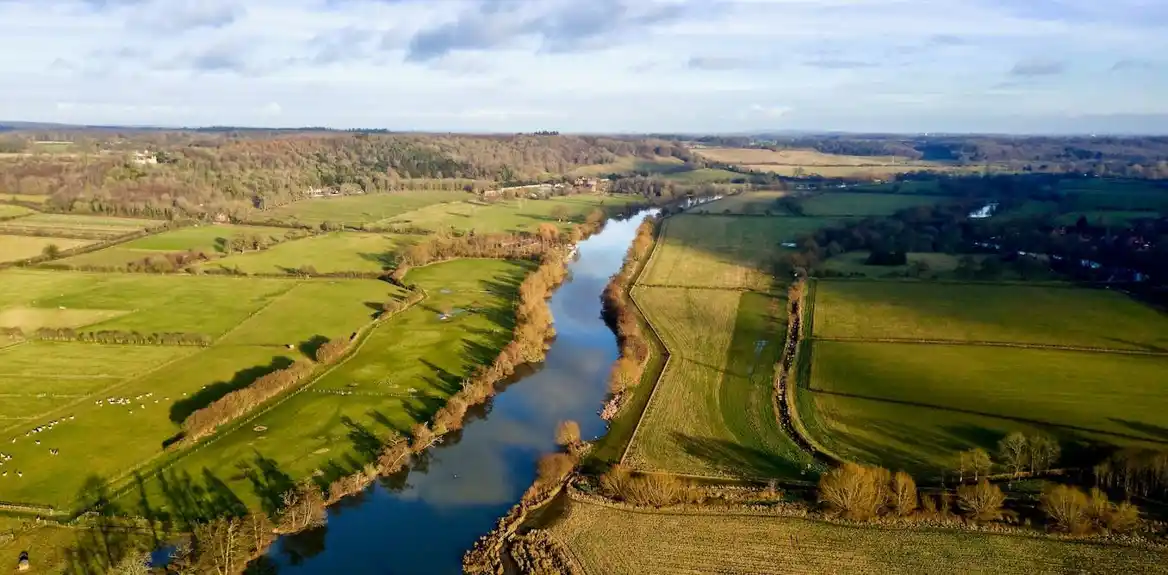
column 209, row 239
column 73, row 226
column 812, row 162
column 328, row 253
column 31, row 198
column 16, row 248
column 914, row 406
column 401, row 374
column 358, row 210
column 863, row 204
column 721, row 251
column 506, row 215
column 939, row 264
column 604, row 540
column 10, row 211
column 1057, row 316
column 628, row 164
column 750, row 203
column 712, row 413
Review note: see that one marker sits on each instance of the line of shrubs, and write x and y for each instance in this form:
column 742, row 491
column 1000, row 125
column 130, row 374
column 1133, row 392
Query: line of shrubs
column 622, row 318
column 109, row 336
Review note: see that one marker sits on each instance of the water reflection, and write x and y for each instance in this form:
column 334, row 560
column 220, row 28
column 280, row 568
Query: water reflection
column 423, row 519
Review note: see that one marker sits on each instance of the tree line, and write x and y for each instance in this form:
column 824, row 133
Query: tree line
column 619, row 314
column 205, row 421
column 108, row 336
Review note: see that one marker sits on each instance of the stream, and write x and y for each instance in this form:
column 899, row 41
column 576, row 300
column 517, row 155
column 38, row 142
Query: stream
column 423, row 519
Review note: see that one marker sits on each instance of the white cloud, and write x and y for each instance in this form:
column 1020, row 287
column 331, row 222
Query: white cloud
column 606, row 65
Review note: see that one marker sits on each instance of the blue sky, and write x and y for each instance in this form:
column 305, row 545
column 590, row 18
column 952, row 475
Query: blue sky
column 592, row 66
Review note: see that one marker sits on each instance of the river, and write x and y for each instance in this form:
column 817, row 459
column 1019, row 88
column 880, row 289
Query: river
column 422, row 520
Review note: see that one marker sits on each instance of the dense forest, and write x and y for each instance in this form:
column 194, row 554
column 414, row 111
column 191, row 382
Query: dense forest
column 201, row 174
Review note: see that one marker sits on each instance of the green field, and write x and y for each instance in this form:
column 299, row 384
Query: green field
column 103, row 227
column 16, row 248
column 604, row 540
column 209, row 239
column 505, row 215
column 333, row 252
column 722, row 251
column 940, row 265
column 11, row 211
column 33, row 198
column 291, row 318
column 402, row 373
column 629, row 164
column 703, row 176
column 750, row 203
column 987, row 313
column 712, row 413
column 863, row 204
column 1105, row 218
column 914, row 406
column 357, row 210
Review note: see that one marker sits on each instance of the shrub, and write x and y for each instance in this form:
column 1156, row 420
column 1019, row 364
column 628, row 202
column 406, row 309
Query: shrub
column 981, row 502
column 1066, row 507
column 902, row 496
column 1122, row 518
column 856, row 492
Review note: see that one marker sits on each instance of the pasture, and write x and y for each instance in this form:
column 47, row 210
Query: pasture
column 812, row 162
column 358, row 210
column 16, row 248
column 629, row 164
column 939, row 265
column 402, row 373
column 1043, row 315
column 209, row 239
column 750, row 203
column 31, row 198
column 68, row 225
column 8, row 211
column 605, row 540
column 914, row 406
column 721, row 251
column 506, row 215
column 703, row 176
column 328, row 253
column 712, row 413
column 863, row 204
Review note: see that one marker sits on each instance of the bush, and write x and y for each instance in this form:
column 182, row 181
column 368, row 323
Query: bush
column 981, row 502
column 1122, row 518
column 902, row 496
column 1066, row 507
column 854, row 491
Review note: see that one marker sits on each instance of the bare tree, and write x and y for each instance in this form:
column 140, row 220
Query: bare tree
column 902, row 494
column 568, row 434
column 981, row 502
column 1044, row 453
column 855, row 491
column 1015, row 452
column 1066, row 507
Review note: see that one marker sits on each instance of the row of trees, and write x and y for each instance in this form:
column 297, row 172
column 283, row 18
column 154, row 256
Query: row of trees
column 109, row 336
column 619, row 314
column 862, row 493
column 205, row 421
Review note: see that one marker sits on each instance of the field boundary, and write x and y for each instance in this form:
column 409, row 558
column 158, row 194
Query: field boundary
column 176, row 457
column 978, row 343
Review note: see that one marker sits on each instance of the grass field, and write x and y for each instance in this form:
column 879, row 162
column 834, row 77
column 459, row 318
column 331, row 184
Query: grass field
column 505, row 216
column 853, row 263
column 608, row 541
column 988, row 313
column 34, row 198
column 333, row 252
column 209, row 239
column 16, row 248
column 914, row 406
column 753, row 203
column 703, row 176
column 712, row 412
column 722, row 251
column 1107, row 218
column 403, row 373
column 853, row 204
column 364, row 209
column 11, row 211
column 629, row 164
column 96, row 226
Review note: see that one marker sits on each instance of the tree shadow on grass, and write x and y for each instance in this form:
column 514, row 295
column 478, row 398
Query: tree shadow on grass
column 310, row 346
column 736, row 458
column 1158, row 432
column 183, row 408
column 268, row 481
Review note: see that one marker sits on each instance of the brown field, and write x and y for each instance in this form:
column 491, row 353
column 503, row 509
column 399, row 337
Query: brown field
column 812, row 162
column 604, row 540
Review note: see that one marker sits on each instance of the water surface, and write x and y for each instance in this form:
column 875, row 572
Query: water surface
column 423, row 520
